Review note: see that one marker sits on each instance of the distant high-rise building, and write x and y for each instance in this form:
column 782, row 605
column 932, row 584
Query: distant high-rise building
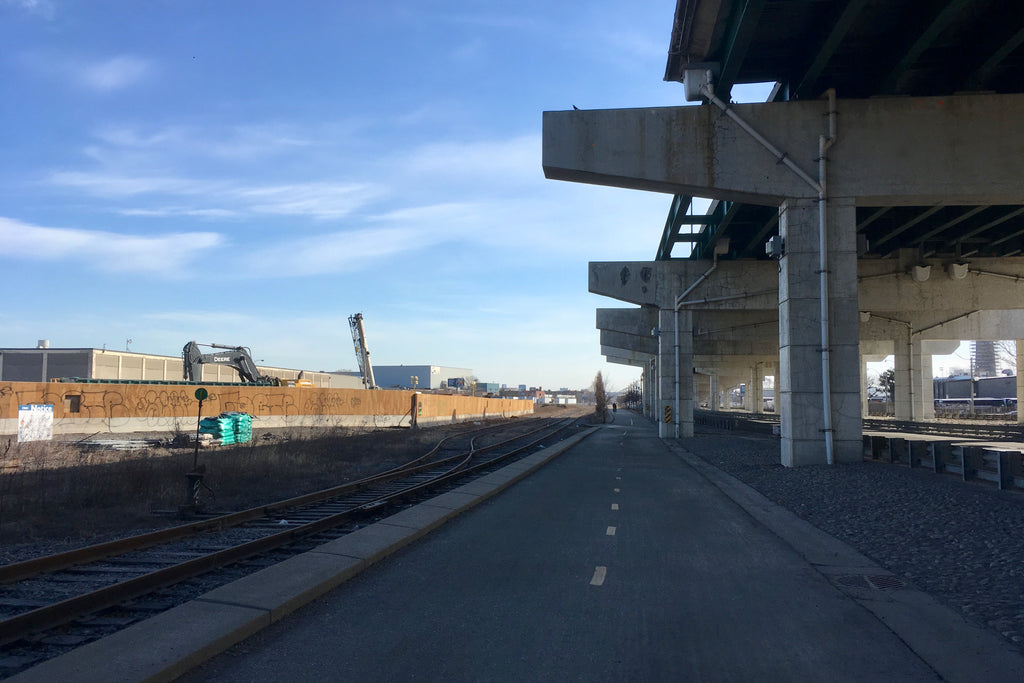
column 983, row 354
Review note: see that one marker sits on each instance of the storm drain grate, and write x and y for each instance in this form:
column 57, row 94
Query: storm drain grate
column 879, row 582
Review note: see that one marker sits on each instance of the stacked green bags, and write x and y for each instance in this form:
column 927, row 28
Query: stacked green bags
column 228, row 428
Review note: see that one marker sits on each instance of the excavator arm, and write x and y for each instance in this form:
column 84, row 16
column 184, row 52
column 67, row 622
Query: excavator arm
column 237, row 357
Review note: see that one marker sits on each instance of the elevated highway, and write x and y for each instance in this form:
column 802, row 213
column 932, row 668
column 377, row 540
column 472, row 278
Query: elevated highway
column 872, row 206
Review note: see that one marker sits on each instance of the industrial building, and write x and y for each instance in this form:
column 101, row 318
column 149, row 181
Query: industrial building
column 427, row 377
column 44, row 364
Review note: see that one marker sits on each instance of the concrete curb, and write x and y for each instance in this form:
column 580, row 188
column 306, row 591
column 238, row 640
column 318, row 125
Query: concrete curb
column 169, row 644
column 953, row 647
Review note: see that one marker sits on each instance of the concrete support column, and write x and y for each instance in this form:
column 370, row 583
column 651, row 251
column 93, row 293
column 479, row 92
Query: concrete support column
column 755, row 390
column 702, row 384
column 669, row 382
column 800, row 379
column 649, row 388
column 729, row 383
column 865, row 409
column 1020, row 380
column 924, row 393
column 902, row 360
column 713, row 391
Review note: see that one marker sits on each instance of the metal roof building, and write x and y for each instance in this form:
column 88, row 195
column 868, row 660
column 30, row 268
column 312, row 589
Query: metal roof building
column 45, row 364
column 428, row 376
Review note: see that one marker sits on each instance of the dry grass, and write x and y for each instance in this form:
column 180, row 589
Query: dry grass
column 53, row 491
column 57, row 493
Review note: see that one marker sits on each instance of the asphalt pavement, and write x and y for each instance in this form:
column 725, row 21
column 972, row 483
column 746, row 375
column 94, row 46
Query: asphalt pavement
column 622, row 559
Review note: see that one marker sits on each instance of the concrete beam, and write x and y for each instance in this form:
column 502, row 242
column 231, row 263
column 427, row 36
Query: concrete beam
column 715, row 347
column 736, row 325
column 630, row 342
column 658, row 283
column 885, row 154
column 933, row 325
column 992, row 284
column 636, row 357
column 637, row 321
column 618, row 360
column 884, row 286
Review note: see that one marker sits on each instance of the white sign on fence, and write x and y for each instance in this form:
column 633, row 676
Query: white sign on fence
column 35, row 423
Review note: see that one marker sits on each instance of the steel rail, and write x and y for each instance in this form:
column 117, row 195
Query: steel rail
column 62, row 612
column 92, row 553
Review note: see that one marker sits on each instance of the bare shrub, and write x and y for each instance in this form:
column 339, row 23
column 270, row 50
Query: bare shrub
column 57, row 491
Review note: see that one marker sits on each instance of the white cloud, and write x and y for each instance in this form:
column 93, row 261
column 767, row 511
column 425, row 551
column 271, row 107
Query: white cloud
column 338, row 252
column 40, row 8
column 239, row 142
column 517, row 158
column 164, row 254
column 114, row 73
column 319, row 200
column 167, row 211
column 113, row 185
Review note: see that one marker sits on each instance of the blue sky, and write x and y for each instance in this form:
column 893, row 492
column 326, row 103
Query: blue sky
column 253, row 172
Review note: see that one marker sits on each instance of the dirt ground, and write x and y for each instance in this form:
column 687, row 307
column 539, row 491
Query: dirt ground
column 56, row 495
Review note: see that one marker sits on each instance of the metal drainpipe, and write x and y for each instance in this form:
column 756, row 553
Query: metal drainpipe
column 824, row 143
column 675, row 320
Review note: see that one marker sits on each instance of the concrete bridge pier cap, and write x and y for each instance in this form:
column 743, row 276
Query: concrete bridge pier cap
column 963, row 149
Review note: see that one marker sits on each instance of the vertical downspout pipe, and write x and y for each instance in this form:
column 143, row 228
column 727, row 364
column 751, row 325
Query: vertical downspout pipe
column 824, row 143
column 680, row 300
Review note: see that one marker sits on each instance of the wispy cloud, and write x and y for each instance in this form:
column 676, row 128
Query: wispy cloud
column 114, row 185
column 169, row 211
column 318, row 200
column 164, row 254
column 40, row 8
column 240, row 142
column 509, row 159
column 339, row 252
column 113, row 74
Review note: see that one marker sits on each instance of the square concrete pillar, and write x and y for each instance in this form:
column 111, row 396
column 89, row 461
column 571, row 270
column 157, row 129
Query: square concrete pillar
column 675, row 390
column 755, row 390
column 865, row 405
column 800, row 380
column 1020, row 380
column 921, row 379
column 902, row 361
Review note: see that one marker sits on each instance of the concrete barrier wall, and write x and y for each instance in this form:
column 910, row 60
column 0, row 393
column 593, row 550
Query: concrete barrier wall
column 89, row 408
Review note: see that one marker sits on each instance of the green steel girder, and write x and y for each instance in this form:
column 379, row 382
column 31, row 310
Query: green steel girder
column 713, row 222
column 742, row 29
column 943, row 17
column 843, row 22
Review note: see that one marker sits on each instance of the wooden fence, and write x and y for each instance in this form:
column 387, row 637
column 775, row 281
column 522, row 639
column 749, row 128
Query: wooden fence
column 122, row 408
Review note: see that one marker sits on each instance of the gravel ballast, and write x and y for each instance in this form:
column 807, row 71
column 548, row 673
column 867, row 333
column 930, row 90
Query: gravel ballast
column 962, row 542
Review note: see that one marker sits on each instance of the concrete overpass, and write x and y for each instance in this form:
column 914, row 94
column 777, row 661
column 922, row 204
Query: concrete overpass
column 860, row 209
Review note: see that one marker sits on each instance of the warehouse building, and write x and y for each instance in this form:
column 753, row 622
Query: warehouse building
column 427, row 377
column 44, row 364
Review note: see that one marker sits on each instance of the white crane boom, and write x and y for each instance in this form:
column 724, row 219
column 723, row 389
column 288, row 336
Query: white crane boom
column 355, row 322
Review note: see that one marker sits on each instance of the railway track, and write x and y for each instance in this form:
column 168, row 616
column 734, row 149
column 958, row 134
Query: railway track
column 50, row 604
column 982, row 430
